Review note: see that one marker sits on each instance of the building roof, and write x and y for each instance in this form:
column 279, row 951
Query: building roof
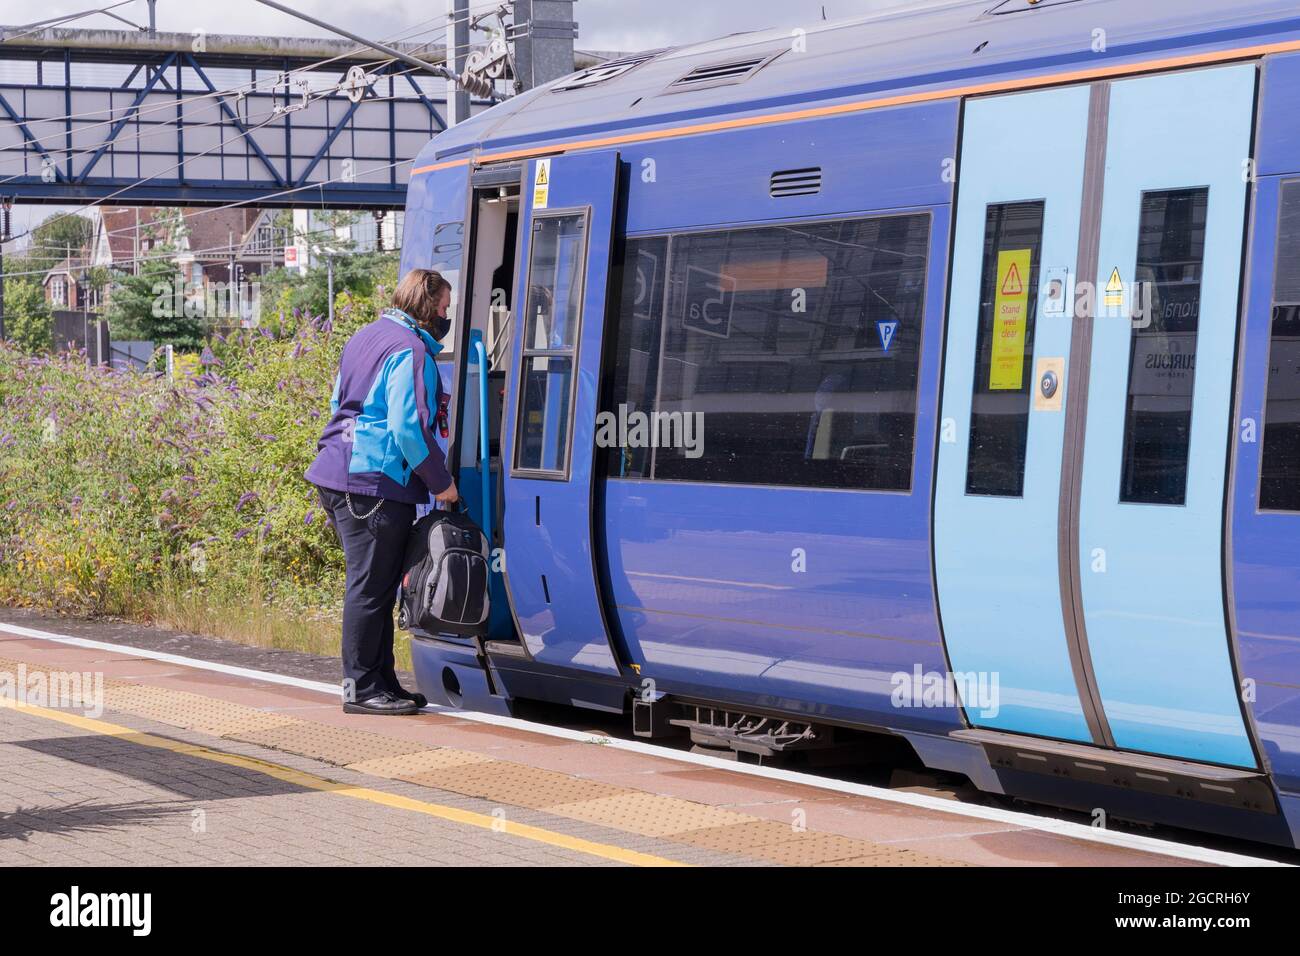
column 119, row 226
column 213, row 231
column 67, row 267
column 209, row 231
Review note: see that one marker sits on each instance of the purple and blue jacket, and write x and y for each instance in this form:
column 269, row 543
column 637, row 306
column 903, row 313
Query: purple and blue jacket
column 387, row 434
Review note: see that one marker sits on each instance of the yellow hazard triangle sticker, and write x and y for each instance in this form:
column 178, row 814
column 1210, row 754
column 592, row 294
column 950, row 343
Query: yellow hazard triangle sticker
column 1115, row 289
column 542, row 184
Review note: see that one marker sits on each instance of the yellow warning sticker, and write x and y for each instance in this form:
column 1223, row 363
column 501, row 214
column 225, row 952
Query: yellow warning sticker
column 542, row 184
column 1010, row 321
column 1115, row 290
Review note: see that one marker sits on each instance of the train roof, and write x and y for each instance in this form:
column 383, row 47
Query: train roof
column 955, row 45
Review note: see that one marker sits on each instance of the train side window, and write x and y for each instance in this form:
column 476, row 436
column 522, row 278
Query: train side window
column 1279, row 486
column 634, row 329
column 1004, row 350
column 1162, row 357
column 790, row 354
column 553, row 316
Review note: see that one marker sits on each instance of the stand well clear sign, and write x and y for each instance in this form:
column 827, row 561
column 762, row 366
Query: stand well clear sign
column 1010, row 321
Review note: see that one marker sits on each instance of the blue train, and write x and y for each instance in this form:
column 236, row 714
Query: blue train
column 931, row 376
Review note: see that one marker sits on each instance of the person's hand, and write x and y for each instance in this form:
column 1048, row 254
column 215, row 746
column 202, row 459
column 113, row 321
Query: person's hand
column 448, row 495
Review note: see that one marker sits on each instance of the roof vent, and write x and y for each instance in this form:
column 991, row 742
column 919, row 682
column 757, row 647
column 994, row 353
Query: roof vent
column 796, row 182
column 721, row 74
column 604, row 71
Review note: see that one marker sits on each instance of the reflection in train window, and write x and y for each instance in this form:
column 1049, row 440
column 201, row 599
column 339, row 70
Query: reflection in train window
column 788, row 355
column 447, row 258
column 1162, row 363
column 634, row 328
column 544, row 413
column 552, row 320
column 1004, row 350
column 1279, row 487
column 555, row 283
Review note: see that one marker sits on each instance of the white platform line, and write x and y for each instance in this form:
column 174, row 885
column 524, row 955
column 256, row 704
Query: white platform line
column 1064, row 828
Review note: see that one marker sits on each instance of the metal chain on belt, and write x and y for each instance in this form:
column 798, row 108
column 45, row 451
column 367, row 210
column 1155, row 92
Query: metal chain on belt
column 347, row 496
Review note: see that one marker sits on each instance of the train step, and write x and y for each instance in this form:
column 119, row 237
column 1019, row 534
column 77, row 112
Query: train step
column 1208, row 783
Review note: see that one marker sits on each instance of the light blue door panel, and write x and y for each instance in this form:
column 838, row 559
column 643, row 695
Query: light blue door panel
column 996, row 557
column 1152, row 574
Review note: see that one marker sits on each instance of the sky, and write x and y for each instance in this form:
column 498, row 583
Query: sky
column 605, row 25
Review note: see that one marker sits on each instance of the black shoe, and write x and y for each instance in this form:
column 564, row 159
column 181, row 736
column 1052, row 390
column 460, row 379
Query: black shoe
column 382, row 703
column 418, row 699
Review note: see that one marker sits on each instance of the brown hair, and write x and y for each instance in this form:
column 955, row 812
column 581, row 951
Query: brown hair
column 418, row 293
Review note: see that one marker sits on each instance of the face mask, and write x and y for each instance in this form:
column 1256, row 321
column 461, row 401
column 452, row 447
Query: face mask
column 440, row 328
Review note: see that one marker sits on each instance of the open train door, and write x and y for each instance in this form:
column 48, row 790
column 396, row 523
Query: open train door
column 566, row 236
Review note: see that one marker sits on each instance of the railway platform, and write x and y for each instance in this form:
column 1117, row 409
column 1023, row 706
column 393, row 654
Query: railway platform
column 183, row 750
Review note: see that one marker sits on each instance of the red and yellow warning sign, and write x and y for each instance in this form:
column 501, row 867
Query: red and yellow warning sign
column 542, row 184
column 1010, row 321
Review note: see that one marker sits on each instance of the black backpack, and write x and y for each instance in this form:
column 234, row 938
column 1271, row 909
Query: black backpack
column 445, row 577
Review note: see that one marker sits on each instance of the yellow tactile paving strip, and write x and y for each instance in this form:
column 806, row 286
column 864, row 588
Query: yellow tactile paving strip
column 192, row 711
column 649, row 814
column 476, row 775
column 312, row 782
column 516, row 784
column 337, row 745
column 409, row 766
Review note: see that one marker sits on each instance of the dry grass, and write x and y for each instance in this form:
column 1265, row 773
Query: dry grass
column 255, row 623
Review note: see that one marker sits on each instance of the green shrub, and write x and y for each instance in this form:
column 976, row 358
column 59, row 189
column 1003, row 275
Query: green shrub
column 124, row 494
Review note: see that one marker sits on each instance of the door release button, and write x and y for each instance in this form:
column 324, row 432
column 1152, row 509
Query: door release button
column 1051, row 378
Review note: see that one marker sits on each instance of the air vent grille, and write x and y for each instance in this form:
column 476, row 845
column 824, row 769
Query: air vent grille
column 721, row 74
column 796, row 182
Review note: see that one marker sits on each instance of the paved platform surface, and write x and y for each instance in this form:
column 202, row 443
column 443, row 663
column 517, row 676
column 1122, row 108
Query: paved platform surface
column 188, row 766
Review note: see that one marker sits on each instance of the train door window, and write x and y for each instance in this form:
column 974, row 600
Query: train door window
column 1004, row 350
column 790, row 355
column 635, row 334
column 448, row 256
column 1162, row 358
column 1279, row 488
column 552, row 317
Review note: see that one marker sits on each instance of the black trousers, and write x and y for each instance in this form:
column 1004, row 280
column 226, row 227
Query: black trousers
column 373, row 549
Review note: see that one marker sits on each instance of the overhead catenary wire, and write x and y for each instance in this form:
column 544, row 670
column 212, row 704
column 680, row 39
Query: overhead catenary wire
column 242, row 134
column 253, row 88
column 34, row 28
column 211, row 252
column 245, row 89
column 166, row 129
column 247, row 132
column 242, row 202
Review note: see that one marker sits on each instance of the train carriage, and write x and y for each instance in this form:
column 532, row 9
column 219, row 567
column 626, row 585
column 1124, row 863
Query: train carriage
column 929, row 376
